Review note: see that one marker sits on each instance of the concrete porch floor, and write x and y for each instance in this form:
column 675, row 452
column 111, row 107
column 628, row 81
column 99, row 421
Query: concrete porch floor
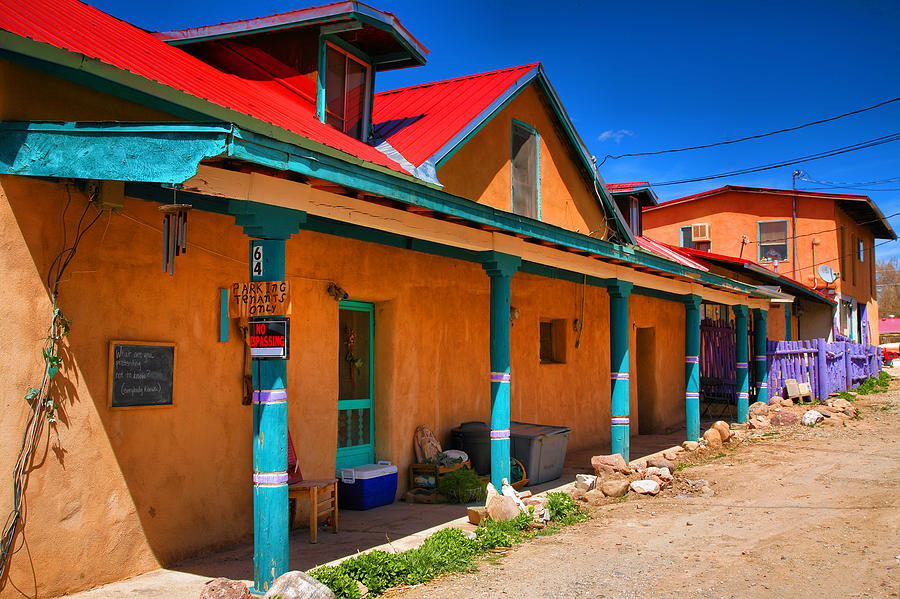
column 394, row 527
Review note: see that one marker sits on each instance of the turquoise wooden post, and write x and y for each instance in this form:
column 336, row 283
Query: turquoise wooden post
column 500, row 268
column 741, row 350
column 692, row 365
column 270, row 492
column 619, row 329
column 762, row 375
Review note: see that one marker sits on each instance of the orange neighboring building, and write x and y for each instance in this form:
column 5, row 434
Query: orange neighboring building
column 792, row 232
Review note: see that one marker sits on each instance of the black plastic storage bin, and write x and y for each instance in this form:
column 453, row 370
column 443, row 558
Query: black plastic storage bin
column 540, row 448
column 474, row 438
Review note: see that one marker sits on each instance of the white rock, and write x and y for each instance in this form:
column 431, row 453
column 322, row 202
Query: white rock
column 298, row 585
column 585, row 482
column 811, row 418
column 509, row 491
column 501, row 507
column 645, row 487
column 690, row 445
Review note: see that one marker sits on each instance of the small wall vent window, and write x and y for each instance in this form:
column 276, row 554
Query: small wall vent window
column 525, row 167
column 772, row 240
column 553, row 341
column 346, row 91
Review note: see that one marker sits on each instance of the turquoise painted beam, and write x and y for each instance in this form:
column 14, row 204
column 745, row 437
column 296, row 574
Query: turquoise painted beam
column 787, row 322
column 223, row 316
column 692, row 365
column 619, row 332
column 500, row 268
column 741, row 351
column 760, row 325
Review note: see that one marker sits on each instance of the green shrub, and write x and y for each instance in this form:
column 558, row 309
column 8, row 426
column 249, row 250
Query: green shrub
column 447, row 550
column 336, row 579
column 563, row 509
column 462, row 486
column 377, row 570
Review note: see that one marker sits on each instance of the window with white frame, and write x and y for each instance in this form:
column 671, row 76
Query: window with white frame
column 687, row 240
column 772, row 240
column 346, row 91
column 525, row 171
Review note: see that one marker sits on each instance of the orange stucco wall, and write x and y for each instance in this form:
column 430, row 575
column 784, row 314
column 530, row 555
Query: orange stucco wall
column 480, row 170
column 153, row 486
column 733, row 214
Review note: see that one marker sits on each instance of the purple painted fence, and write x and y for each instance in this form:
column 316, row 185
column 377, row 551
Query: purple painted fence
column 827, row 367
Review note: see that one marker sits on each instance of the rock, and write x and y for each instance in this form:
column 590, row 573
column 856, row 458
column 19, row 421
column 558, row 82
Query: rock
column 604, row 464
column 851, row 411
column 298, row 585
column 759, row 409
column 491, row 491
column 840, row 403
column 758, row 422
column 723, row 428
column 655, row 479
column 713, row 438
column 645, row 487
column 476, row 514
column 594, row 496
column 787, row 403
column 698, row 483
column 585, row 482
column 577, row 493
column 524, row 494
column 784, row 419
column 812, row 418
column 671, row 454
column 659, row 462
column 536, row 501
column 501, row 508
column 223, row 588
column 616, row 487
column 638, row 465
column 691, row 445
column 663, row 473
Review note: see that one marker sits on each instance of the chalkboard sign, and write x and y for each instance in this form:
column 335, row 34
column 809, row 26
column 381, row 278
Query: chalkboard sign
column 141, row 374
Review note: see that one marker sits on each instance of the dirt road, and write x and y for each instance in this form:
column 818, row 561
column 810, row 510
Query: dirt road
column 802, row 513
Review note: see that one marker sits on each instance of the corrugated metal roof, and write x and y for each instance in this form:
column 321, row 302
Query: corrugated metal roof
column 77, row 27
column 419, row 120
column 655, row 247
column 625, row 187
column 889, row 325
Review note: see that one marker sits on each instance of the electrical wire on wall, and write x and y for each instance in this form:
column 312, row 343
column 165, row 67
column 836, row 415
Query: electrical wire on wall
column 578, row 325
column 43, row 408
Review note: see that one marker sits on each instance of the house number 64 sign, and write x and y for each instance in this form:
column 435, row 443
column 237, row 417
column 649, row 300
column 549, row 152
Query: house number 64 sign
column 256, row 265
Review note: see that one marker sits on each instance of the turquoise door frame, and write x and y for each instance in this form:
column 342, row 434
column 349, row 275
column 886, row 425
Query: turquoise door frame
column 360, row 453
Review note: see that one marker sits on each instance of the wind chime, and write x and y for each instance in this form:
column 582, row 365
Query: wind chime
column 174, row 232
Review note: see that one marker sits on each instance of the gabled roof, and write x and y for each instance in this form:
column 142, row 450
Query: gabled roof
column 378, row 33
column 82, row 30
column 661, row 249
column 739, row 264
column 424, row 122
column 860, row 207
column 639, row 189
column 427, row 123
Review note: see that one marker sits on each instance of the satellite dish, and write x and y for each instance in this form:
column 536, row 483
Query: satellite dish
column 827, row 274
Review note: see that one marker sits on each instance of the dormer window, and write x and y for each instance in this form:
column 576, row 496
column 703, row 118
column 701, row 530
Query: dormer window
column 346, row 92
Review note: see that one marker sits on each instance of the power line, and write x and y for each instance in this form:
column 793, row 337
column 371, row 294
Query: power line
column 827, row 153
column 851, row 188
column 789, row 237
column 891, row 180
column 734, row 141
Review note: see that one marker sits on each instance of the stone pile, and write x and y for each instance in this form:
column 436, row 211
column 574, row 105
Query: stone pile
column 508, row 504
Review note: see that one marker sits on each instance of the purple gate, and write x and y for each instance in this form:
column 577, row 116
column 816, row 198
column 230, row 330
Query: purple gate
column 717, row 366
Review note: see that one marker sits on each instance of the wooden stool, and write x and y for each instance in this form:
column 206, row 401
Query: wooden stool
column 314, row 489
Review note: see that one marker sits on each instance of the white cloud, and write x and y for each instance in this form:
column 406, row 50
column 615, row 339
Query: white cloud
column 615, row 135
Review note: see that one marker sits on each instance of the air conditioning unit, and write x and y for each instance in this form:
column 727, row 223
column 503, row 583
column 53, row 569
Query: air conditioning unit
column 700, row 232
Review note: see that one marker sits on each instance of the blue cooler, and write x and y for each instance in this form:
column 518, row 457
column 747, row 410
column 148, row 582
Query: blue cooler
column 368, row 486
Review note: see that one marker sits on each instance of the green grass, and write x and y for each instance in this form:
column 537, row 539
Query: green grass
column 447, row 550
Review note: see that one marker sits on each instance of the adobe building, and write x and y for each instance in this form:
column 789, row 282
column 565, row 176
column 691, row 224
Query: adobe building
column 824, row 241
column 445, row 253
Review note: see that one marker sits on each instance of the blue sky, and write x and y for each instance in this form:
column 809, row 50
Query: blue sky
column 647, row 76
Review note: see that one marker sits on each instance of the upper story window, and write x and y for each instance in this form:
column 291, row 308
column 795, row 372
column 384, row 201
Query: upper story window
column 630, row 207
column 346, row 92
column 687, row 240
column 772, row 240
column 525, row 171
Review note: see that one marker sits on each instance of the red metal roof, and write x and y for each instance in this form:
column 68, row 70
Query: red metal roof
column 77, row 27
column 742, row 262
column 419, row 120
column 661, row 249
column 790, row 192
column 626, row 187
